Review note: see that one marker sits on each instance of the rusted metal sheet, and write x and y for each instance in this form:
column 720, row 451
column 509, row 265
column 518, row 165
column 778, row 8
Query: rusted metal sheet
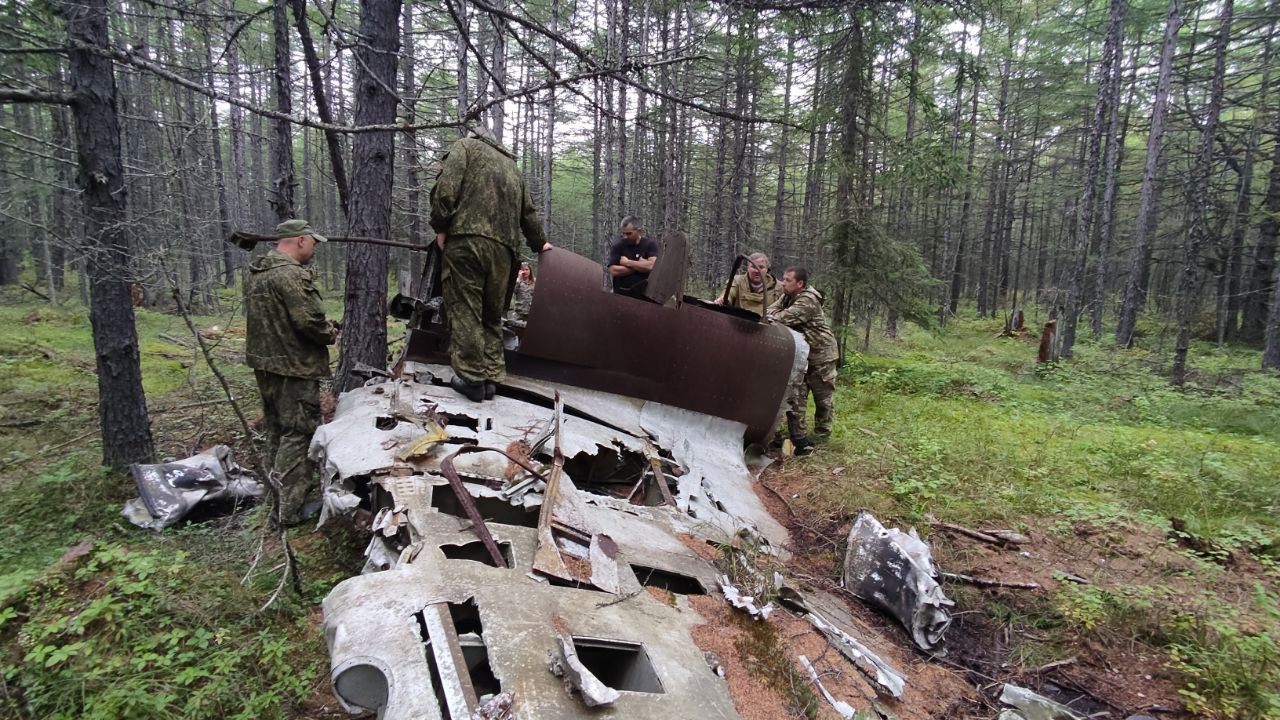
column 697, row 356
column 568, row 547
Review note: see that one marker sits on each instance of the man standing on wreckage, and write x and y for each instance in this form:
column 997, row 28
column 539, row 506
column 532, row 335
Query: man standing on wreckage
column 479, row 208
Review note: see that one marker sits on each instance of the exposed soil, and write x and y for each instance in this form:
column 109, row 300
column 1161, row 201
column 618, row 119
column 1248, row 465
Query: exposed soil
column 995, row 638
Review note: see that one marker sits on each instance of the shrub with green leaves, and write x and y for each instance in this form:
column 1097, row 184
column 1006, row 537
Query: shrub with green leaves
column 145, row 634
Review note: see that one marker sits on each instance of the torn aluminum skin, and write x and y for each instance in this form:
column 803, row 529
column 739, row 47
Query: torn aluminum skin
column 388, row 631
column 1031, row 706
column 894, row 571
column 168, row 491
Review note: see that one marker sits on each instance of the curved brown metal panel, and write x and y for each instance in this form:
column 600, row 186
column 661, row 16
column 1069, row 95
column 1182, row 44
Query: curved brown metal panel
column 693, row 356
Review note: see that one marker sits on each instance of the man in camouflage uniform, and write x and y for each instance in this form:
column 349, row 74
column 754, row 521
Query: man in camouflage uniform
column 754, row 290
column 286, row 344
column 521, row 296
column 800, row 308
column 479, row 208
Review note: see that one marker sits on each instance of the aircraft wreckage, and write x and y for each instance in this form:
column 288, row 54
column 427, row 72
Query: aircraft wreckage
column 513, row 540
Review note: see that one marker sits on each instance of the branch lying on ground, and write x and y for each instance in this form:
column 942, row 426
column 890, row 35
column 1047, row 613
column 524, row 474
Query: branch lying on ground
column 995, row 537
column 985, row 582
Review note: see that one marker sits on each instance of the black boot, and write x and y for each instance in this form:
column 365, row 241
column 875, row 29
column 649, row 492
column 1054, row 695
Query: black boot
column 803, row 446
column 490, row 389
column 473, row 391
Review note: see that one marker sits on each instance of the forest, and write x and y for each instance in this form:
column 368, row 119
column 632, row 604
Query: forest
column 943, row 169
column 1106, row 161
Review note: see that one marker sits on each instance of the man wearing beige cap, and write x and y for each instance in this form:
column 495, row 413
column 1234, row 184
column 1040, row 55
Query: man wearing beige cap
column 286, row 344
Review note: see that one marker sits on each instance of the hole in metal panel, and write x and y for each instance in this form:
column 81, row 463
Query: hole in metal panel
column 667, row 580
column 470, row 632
column 362, row 686
column 463, row 421
column 620, row 665
column 607, row 466
column 491, row 509
column 476, row 552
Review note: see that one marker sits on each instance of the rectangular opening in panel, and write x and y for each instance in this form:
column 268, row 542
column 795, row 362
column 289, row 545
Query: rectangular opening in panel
column 667, row 580
column 476, row 552
column 453, row 632
column 620, row 665
column 491, row 509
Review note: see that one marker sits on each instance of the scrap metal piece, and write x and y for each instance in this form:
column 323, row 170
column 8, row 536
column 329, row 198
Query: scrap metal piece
column 581, row 335
column 743, row 602
column 568, row 666
column 455, row 679
column 659, row 477
column 1035, row 707
column 845, row 709
column 894, row 570
column 498, row 707
column 168, row 491
column 858, row 654
column 469, row 505
column 568, row 546
column 667, row 279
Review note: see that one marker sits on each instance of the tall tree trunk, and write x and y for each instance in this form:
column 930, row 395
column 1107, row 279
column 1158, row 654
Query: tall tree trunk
column 778, row 241
column 332, row 139
column 122, row 406
column 1261, row 274
column 364, row 327
column 1135, row 296
column 282, row 177
column 1199, row 233
column 1088, row 197
column 1268, row 231
column 1115, row 149
column 966, row 205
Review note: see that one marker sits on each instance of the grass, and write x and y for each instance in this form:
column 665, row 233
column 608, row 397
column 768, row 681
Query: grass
column 954, row 424
column 965, row 427
column 146, row 624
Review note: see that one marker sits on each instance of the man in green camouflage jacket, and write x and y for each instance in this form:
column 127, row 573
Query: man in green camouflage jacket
column 479, row 208
column 286, row 344
column 800, row 308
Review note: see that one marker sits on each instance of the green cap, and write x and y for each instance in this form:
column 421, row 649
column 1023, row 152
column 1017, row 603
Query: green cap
column 296, row 228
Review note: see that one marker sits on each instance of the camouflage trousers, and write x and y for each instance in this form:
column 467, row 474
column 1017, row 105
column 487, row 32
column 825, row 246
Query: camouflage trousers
column 476, row 273
column 821, row 381
column 291, row 408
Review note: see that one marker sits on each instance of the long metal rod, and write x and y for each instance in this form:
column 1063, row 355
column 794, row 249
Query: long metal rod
column 246, row 241
column 733, row 272
column 468, row 504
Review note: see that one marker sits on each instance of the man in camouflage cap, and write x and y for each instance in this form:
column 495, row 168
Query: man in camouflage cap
column 800, row 308
column 286, row 344
column 479, row 208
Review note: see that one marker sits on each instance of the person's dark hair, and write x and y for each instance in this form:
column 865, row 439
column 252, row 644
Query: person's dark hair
column 631, row 220
column 800, row 274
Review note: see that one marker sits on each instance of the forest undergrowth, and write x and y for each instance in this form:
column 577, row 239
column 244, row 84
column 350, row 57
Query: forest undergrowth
column 1093, row 458
column 1164, row 500
column 100, row 619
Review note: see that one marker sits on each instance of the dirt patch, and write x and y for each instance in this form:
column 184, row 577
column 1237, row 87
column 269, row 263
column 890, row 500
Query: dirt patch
column 722, row 635
column 1005, row 635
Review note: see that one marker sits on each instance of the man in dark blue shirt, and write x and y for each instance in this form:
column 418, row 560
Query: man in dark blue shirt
column 631, row 258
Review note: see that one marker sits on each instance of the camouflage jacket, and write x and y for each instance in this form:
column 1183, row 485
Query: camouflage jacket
column 479, row 192
column 742, row 296
column 287, row 333
column 802, row 312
